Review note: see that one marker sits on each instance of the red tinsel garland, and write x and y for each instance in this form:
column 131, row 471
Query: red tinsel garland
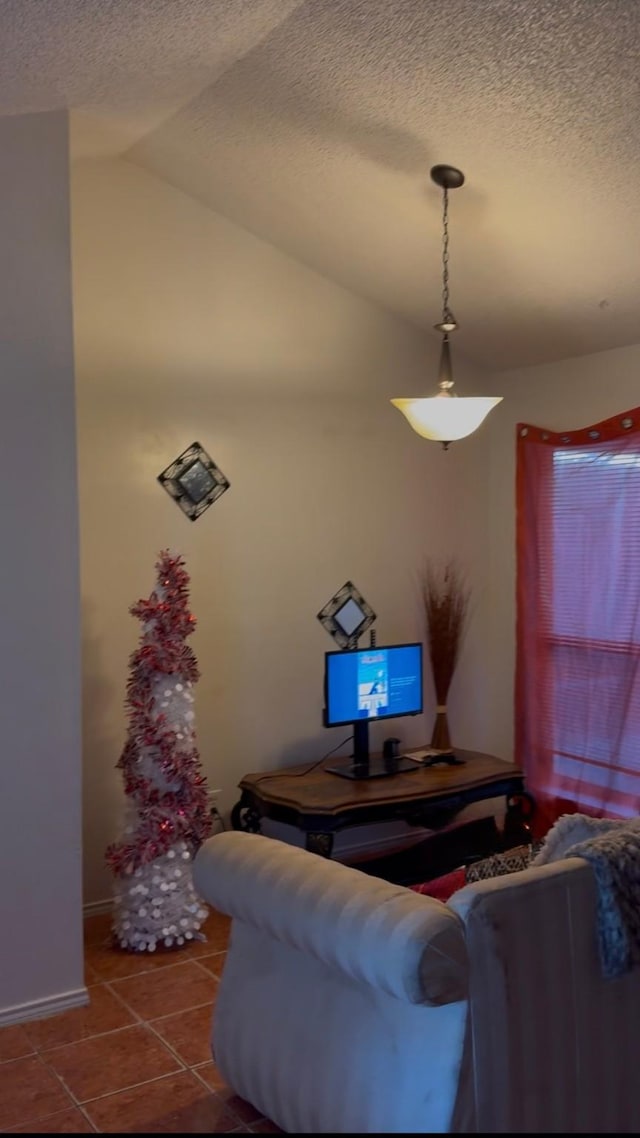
column 181, row 813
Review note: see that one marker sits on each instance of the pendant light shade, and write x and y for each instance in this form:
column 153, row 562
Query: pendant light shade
column 446, row 417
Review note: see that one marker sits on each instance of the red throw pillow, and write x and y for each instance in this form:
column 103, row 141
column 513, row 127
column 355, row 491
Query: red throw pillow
column 443, row 887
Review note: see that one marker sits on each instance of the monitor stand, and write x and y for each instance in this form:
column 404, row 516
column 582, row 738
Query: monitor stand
column 373, row 768
column 362, row 766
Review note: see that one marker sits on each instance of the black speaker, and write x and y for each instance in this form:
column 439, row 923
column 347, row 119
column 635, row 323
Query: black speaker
column 390, row 748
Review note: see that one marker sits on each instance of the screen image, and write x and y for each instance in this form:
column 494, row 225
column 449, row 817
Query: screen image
column 373, row 683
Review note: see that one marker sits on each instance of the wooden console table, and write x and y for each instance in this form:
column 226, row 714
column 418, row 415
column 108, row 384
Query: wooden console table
column 321, row 804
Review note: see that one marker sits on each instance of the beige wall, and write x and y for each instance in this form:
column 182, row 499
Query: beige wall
column 40, row 821
column 566, row 395
column 187, row 328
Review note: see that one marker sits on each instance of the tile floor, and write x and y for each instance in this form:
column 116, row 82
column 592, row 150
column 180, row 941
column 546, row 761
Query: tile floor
column 137, row 1059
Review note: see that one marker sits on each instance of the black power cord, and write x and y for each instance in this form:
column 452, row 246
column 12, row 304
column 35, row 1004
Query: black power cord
column 301, row 774
column 217, row 817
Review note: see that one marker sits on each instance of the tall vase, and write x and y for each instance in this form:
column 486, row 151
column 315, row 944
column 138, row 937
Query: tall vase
column 440, row 738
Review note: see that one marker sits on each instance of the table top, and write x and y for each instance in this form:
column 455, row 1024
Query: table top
column 313, row 789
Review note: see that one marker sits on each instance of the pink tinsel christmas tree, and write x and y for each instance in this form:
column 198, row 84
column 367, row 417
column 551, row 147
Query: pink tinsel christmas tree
column 167, row 801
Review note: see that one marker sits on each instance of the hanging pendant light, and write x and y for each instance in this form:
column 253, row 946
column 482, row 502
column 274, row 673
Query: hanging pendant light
column 446, row 417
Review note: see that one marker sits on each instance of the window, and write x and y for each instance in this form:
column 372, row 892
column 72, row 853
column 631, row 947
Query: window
column 578, row 617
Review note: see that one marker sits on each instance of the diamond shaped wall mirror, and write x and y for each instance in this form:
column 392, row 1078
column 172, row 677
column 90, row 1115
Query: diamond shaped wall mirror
column 346, row 616
column 194, row 481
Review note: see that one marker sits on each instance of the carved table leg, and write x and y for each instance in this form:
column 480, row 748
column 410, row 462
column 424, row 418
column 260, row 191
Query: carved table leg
column 319, row 843
column 244, row 816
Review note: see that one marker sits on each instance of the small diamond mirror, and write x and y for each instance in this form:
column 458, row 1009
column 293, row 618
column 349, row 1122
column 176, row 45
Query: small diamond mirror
column 194, row 481
column 346, row 616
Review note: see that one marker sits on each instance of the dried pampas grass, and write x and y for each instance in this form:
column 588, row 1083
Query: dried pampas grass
column 446, row 597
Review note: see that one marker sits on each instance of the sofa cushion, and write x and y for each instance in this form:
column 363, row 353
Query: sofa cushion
column 443, row 887
column 508, row 861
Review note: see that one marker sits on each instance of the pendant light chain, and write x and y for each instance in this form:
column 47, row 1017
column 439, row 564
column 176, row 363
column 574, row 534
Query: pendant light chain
column 447, row 315
column 445, row 417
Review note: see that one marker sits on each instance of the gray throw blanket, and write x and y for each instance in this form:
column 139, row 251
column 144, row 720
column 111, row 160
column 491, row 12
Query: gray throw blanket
column 613, row 850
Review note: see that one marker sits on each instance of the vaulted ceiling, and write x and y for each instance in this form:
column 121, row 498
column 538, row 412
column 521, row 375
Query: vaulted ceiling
column 314, row 123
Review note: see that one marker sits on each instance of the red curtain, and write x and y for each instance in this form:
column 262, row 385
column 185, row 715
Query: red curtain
column 577, row 704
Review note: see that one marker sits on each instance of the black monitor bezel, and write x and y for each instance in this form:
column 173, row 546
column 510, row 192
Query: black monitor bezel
column 376, row 718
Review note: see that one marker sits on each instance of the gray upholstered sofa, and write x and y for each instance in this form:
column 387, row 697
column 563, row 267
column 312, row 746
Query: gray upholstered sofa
column 351, row 1005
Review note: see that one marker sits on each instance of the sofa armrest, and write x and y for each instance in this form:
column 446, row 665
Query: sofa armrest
column 412, row 947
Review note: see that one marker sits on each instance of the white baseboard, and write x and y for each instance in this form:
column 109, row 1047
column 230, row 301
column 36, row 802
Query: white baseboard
column 50, row 1006
column 96, row 908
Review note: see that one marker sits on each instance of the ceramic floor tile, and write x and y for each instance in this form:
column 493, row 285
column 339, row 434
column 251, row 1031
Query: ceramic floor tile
column 109, row 963
column 188, row 1033
column 213, row 963
column 178, row 1104
column 90, row 974
column 243, row 1110
column 216, row 929
column 65, row 1122
column 28, row 1092
column 175, row 989
column 109, row 1063
column 14, row 1043
column 97, row 929
column 103, row 1013
column 210, row 1075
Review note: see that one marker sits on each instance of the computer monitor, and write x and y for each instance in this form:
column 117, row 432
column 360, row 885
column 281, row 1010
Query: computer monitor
column 365, row 685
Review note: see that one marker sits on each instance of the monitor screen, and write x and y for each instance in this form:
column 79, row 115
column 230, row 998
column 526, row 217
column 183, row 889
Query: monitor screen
column 373, row 683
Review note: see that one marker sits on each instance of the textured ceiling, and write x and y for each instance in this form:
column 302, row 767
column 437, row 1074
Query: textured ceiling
column 314, row 125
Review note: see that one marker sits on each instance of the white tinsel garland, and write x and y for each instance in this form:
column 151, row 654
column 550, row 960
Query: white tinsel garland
column 156, row 905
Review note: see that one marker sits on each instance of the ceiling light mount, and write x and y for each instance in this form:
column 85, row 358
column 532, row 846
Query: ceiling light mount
column 445, row 417
column 447, row 177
